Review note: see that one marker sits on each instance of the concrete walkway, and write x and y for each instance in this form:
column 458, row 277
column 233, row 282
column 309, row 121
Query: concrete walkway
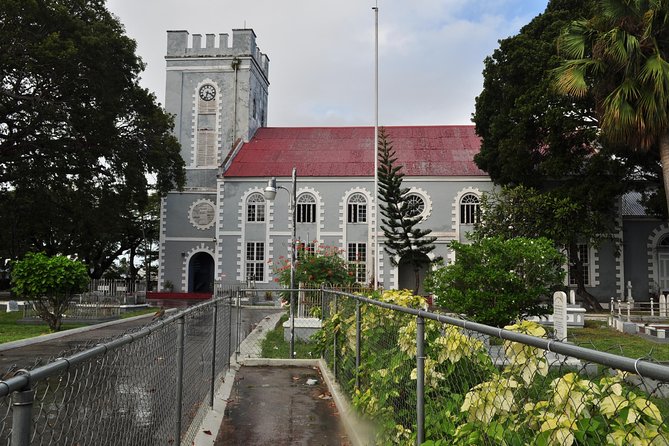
column 280, row 406
column 278, row 402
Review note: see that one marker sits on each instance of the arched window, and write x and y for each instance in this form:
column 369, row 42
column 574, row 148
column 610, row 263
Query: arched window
column 357, row 209
column 207, row 106
column 470, row 209
column 416, row 205
column 255, row 208
column 306, row 209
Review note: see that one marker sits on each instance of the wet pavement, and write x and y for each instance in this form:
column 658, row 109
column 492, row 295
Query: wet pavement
column 280, row 406
column 37, row 351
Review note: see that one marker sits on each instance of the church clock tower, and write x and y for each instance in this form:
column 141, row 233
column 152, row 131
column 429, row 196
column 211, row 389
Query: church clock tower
column 217, row 93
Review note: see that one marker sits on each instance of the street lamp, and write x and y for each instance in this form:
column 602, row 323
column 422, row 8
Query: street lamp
column 270, row 194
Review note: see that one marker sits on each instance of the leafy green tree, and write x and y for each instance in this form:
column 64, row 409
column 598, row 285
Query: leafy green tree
column 49, row 283
column 79, row 138
column 495, row 281
column 532, row 135
column 405, row 241
column 525, row 212
column 529, row 132
column 619, row 56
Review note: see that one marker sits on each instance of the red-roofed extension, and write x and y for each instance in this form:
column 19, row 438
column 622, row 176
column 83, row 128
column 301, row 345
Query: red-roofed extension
column 348, row 152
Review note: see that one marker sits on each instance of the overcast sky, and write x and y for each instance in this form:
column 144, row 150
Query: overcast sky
column 321, row 53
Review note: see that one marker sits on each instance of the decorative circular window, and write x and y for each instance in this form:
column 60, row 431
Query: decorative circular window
column 415, row 204
column 201, row 214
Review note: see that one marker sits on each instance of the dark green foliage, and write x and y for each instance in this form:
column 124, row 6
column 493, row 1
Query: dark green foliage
column 79, row 137
column 405, row 240
column 495, row 281
column 49, row 283
column 531, row 133
column 534, row 136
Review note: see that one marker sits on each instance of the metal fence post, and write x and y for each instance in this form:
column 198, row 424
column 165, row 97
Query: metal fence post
column 180, row 376
column 334, row 344
column 420, row 380
column 239, row 325
column 214, row 335
column 22, row 407
column 229, row 352
column 357, row 344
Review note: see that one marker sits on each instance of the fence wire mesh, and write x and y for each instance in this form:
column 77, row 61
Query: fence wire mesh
column 484, row 386
column 125, row 391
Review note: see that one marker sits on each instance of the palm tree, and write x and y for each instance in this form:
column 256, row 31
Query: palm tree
column 619, row 56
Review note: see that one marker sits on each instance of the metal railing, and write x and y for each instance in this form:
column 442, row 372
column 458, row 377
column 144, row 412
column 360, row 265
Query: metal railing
column 416, row 375
column 122, row 291
column 152, row 386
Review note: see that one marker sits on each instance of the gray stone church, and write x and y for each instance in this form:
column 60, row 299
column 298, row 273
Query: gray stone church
column 221, row 228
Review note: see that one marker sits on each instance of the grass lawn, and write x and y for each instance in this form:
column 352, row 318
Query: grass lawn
column 273, row 346
column 10, row 330
column 597, row 335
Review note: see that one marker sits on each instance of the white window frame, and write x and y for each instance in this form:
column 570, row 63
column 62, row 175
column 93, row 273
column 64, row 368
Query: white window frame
column 470, row 209
column 356, row 254
column 305, row 208
column 254, row 264
column 255, row 208
column 357, row 208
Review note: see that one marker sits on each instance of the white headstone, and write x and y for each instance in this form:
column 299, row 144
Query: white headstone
column 663, row 305
column 560, row 315
column 572, row 297
column 12, row 305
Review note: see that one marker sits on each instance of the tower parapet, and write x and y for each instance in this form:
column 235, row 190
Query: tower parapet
column 243, row 44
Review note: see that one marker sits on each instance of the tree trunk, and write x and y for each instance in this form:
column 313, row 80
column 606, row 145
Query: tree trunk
column 664, row 158
column 416, row 272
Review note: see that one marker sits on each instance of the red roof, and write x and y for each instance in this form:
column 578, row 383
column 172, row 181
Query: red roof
column 348, row 151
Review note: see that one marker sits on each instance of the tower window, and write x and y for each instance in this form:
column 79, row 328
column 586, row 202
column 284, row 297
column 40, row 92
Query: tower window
column 207, row 107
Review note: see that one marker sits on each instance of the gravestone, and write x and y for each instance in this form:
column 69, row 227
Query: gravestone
column 572, row 297
column 12, row 306
column 663, row 305
column 560, row 315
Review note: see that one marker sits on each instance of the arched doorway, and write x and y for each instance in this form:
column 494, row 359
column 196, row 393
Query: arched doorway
column 201, row 273
column 407, row 275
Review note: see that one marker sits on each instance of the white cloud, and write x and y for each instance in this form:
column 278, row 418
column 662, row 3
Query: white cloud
column 322, row 53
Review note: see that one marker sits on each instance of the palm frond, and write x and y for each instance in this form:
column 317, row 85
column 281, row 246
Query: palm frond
column 655, row 71
column 573, row 41
column 570, row 77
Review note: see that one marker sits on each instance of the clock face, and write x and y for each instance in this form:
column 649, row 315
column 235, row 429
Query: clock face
column 207, row 92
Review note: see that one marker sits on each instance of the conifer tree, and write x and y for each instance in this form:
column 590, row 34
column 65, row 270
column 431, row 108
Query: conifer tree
column 405, row 241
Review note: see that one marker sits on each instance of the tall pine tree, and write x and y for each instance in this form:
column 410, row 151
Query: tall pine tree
column 405, row 241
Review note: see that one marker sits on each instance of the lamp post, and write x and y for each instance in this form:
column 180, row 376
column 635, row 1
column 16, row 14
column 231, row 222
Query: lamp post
column 270, row 194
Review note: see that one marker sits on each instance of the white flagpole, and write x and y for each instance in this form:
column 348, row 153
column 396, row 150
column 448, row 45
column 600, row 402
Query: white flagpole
column 377, row 250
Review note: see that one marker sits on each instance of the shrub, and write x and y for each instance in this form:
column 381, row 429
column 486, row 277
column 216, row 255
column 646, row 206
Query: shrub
column 495, row 281
column 49, row 283
column 323, row 265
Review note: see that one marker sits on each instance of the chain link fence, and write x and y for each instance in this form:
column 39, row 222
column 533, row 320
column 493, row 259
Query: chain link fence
column 412, row 376
column 418, row 377
column 149, row 387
